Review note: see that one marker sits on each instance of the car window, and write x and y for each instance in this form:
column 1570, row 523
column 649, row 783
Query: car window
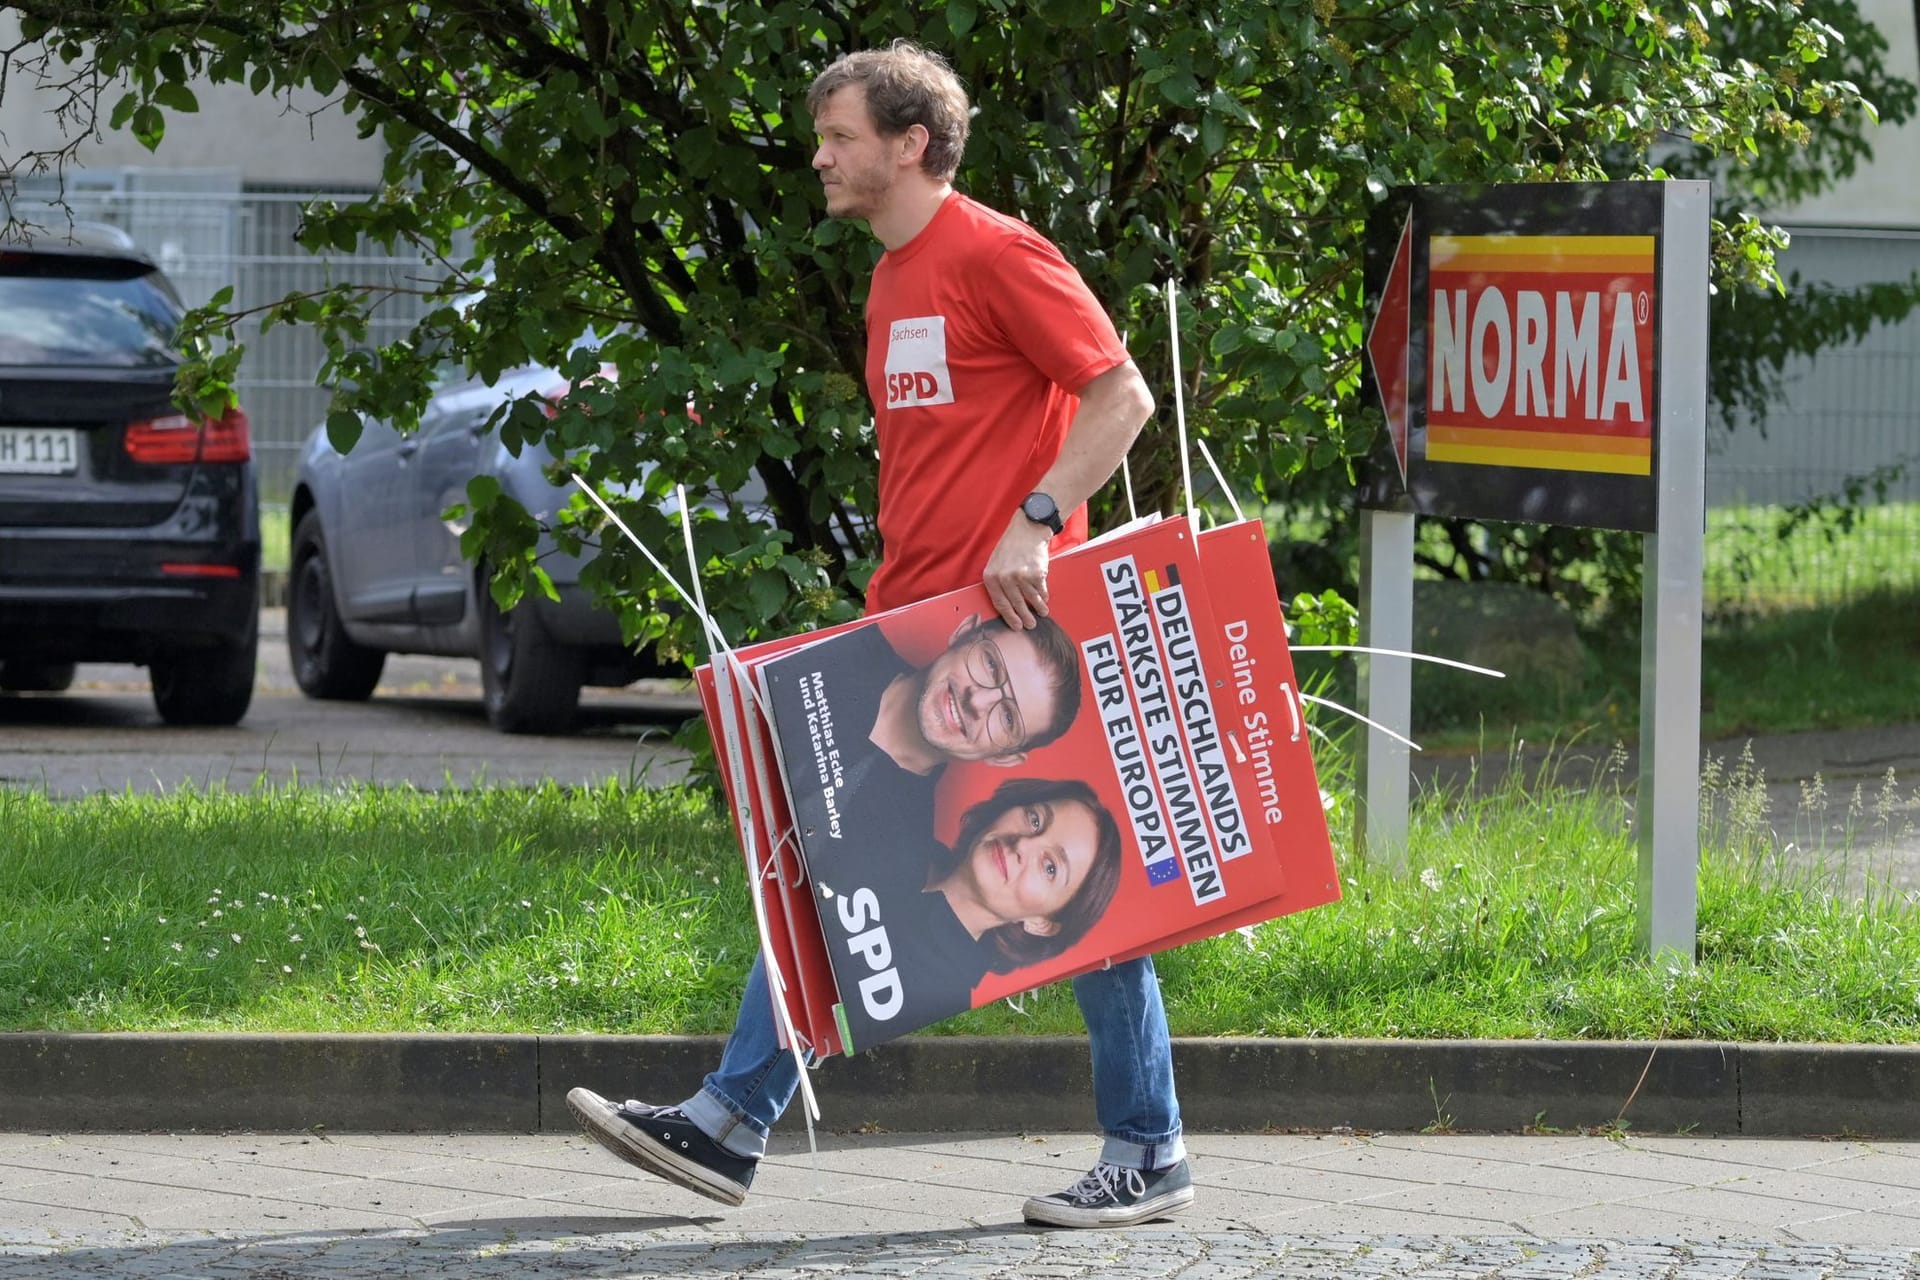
column 67, row 309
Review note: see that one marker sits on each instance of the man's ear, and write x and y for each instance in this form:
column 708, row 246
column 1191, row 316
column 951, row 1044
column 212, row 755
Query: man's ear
column 913, row 143
column 968, row 625
column 1040, row 926
column 1006, row 759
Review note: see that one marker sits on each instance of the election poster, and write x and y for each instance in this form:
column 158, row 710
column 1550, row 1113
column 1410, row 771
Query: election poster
column 981, row 811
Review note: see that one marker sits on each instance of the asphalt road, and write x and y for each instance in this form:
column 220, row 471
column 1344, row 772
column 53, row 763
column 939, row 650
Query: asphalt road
column 424, row 726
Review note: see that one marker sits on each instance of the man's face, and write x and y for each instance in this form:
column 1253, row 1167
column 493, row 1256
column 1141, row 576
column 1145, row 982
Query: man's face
column 855, row 160
column 988, row 695
column 1033, row 859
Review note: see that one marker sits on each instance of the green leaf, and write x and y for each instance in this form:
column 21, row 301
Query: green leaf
column 148, row 126
column 960, row 17
column 768, row 589
column 343, row 429
column 175, row 96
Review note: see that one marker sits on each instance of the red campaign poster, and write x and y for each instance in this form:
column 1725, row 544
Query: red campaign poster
column 744, row 802
column 793, row 928
column 810, row 973
column 1263, row 719
column 985, row 811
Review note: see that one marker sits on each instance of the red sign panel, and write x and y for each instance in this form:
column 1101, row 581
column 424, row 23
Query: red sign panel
column 1540, row 352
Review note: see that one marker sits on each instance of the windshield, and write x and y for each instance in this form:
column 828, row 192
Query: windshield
column 69, row 310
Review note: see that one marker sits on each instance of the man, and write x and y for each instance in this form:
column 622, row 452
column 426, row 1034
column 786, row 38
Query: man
column 994, row 695
column 1003, row 399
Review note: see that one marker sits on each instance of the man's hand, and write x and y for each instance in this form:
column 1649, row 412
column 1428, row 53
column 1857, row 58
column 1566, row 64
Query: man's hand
column 1016, row 575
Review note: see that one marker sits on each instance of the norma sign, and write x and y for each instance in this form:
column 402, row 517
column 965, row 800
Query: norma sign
column 1513, row 344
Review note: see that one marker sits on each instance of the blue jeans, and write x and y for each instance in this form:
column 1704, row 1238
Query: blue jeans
column 1133, row 1094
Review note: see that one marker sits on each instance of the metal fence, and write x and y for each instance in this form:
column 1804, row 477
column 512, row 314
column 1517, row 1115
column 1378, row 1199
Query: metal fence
column 1845, row 413
column 207, row 232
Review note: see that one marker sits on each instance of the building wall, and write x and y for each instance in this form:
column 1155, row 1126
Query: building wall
column 295, row 141
column 1885, row 192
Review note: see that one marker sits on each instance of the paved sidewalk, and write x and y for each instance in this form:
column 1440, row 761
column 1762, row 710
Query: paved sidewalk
column 1536, row 1207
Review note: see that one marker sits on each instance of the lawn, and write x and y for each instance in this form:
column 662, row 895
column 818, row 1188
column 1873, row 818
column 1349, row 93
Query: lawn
column 616, row 910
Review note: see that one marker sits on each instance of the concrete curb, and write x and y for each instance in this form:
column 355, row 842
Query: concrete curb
column 74, row 1082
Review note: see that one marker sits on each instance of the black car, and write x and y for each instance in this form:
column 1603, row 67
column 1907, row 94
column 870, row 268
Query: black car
column 129, row 531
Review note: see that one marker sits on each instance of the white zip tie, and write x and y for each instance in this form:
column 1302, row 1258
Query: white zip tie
column 1220, row 480
column 725, row 668
column 1179, row 398
column 1329, row 702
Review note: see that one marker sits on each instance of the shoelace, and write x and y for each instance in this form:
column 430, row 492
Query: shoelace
column 1103, row 1182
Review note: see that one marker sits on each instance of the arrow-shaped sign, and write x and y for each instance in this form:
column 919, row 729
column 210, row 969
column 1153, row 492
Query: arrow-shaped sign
column 1388, row 340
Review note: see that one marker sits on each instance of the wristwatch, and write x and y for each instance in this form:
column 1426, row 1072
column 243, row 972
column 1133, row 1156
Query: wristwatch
column 1041, row 509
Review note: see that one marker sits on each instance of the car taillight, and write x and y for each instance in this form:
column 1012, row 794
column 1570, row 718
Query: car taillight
column 178, row 438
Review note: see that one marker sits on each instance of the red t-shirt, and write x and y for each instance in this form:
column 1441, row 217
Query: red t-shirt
column 979, row 337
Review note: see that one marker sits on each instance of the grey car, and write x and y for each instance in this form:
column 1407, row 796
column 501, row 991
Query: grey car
column 376, row 570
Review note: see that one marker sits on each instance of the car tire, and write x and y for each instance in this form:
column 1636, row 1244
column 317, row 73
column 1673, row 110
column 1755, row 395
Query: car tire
column 327, row 663
column 530, row 683
column 206, row 686
column 36, row 677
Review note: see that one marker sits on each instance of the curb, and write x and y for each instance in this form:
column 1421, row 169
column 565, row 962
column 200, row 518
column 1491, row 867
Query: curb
column 130, row 1081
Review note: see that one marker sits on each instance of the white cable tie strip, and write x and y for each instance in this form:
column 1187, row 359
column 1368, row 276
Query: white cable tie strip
column 1219, row 479
column 693, row 564
column 1179, row 397
column 1375, row 724
column 725, row 673
column 1398, row 653
column 713, row 632
column 1293, row 709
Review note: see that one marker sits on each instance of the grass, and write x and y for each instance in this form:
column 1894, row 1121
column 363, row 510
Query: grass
column 1820, row 630
column 276, row 539
column 615, row 910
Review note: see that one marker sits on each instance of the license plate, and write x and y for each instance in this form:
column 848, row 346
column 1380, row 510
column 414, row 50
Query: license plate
column 39, row 451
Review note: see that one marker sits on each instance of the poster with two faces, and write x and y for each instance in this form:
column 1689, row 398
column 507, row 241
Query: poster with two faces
column 938, row 811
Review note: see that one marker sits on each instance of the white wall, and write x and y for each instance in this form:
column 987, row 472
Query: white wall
column 266, row 140
column 1885, row 192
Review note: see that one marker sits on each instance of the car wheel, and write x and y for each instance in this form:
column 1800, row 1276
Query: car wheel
column 532, row 685
column 206, row 686
column 326, row 662
column 36, row 677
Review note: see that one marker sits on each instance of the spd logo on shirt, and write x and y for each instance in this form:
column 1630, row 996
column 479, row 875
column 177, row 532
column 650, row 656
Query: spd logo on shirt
column 917, row 363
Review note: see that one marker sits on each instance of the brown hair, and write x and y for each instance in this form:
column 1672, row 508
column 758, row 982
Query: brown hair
column 1062, row 662
column 1010, row 946
column 906, row 85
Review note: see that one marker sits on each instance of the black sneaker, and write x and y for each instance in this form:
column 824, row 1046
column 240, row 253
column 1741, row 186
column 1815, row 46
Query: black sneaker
column 663, row 1141
column 1110, row 1196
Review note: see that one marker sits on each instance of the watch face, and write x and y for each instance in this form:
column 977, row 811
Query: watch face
column 1041, row 508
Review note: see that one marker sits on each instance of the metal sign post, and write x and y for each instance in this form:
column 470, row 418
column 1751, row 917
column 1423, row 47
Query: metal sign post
column 1668, row 805
column 1540, row 353
column 1386, row 684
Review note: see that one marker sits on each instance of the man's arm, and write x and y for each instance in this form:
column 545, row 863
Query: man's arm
column 1113, row 408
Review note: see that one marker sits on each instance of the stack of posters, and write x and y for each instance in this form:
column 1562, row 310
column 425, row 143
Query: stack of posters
column 938, row 811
